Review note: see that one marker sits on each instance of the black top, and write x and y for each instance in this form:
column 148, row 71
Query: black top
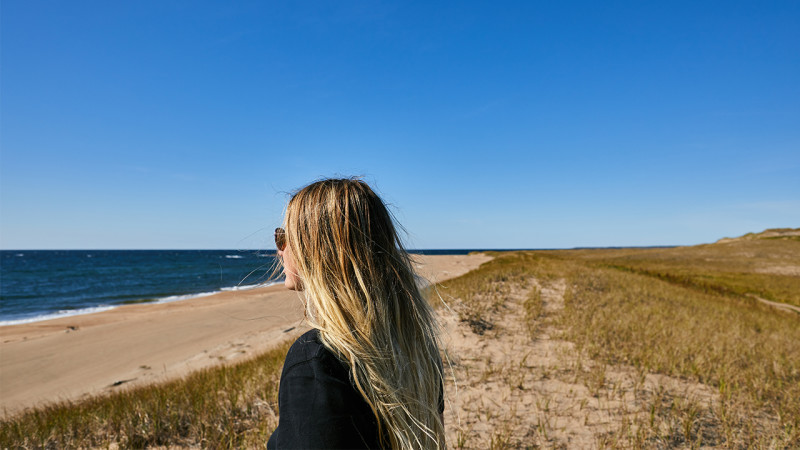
column 319, row 404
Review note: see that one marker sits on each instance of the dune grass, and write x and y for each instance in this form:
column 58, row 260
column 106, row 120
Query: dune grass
column 223, row 407
column 768, row 267
column 682, row 312
column 747, row 351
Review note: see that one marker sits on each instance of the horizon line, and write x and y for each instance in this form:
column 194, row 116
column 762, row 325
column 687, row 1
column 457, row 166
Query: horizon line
column 473, row 249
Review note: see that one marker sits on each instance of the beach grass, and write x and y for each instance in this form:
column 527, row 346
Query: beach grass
column 768, row 267
column 684, row 316
column 744, row 350
column 232, row 406
column 689, row 313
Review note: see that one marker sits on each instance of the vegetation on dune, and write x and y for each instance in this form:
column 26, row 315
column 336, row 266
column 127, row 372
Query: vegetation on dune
column 747, row 351
column 768, row 268
column 685, row 312
column 688, row 313
column 223, row 407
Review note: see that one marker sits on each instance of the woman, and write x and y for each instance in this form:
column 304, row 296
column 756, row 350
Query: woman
column 369, row 373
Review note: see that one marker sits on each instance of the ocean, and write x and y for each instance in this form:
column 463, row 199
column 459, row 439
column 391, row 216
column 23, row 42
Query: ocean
column 44, row 284
column 38, row 285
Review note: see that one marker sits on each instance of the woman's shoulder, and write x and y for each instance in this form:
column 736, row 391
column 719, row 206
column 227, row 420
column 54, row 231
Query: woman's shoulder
column 319, row 407
column 310, row 353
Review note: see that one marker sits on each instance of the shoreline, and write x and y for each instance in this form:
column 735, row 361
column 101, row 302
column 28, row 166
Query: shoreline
column 105, row 307
column 71, row 358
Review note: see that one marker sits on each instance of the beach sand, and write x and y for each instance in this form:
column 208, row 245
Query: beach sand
column 80, row 356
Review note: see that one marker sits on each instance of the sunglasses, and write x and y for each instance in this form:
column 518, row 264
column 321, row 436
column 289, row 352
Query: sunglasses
column 280, row 238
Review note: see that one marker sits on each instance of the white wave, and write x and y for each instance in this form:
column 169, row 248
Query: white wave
column 234, row 256
column 247, row 287
column 57, row 315
column 175, row 298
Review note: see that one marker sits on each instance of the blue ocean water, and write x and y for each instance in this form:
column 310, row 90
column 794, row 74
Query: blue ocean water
column 42, row 284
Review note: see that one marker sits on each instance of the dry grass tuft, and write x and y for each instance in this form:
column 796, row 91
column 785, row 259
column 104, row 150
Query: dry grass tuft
column 224, row 407
column 743, row 349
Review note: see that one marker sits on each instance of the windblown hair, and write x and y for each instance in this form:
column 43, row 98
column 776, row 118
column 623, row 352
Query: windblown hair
column 362, row 295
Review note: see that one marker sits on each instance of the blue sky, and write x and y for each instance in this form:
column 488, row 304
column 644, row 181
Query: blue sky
column 184, row 124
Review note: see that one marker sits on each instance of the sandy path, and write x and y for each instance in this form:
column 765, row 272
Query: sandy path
column 779, row 305
column 79, row 356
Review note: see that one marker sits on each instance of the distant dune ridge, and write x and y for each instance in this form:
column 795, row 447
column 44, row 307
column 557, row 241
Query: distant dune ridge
column 771, row 233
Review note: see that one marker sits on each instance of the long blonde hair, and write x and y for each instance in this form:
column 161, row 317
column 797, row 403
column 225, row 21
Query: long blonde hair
column 362, row 295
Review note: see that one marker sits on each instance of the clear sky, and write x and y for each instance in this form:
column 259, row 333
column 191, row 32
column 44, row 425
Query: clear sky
column 184, row 124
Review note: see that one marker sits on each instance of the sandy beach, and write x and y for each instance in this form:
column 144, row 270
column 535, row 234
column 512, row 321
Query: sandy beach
column 79, row 356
